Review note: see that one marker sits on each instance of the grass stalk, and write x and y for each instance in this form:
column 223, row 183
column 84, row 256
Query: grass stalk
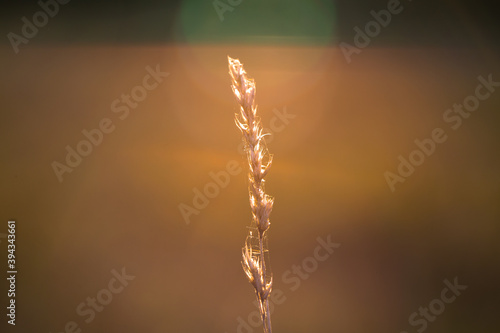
column 259, row 161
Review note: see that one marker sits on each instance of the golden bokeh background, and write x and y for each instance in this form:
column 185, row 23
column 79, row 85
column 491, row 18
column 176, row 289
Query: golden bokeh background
column 347, row 125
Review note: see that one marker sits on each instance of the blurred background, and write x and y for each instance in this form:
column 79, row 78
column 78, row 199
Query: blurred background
column 151, row 77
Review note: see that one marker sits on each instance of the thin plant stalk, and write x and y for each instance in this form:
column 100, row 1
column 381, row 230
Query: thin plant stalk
column 259, row 161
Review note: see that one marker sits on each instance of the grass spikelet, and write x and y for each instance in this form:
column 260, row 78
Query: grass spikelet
column 259, row 161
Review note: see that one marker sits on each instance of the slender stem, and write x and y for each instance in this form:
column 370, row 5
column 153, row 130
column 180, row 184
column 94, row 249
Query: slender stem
column 266, row 314
column 268, row 321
